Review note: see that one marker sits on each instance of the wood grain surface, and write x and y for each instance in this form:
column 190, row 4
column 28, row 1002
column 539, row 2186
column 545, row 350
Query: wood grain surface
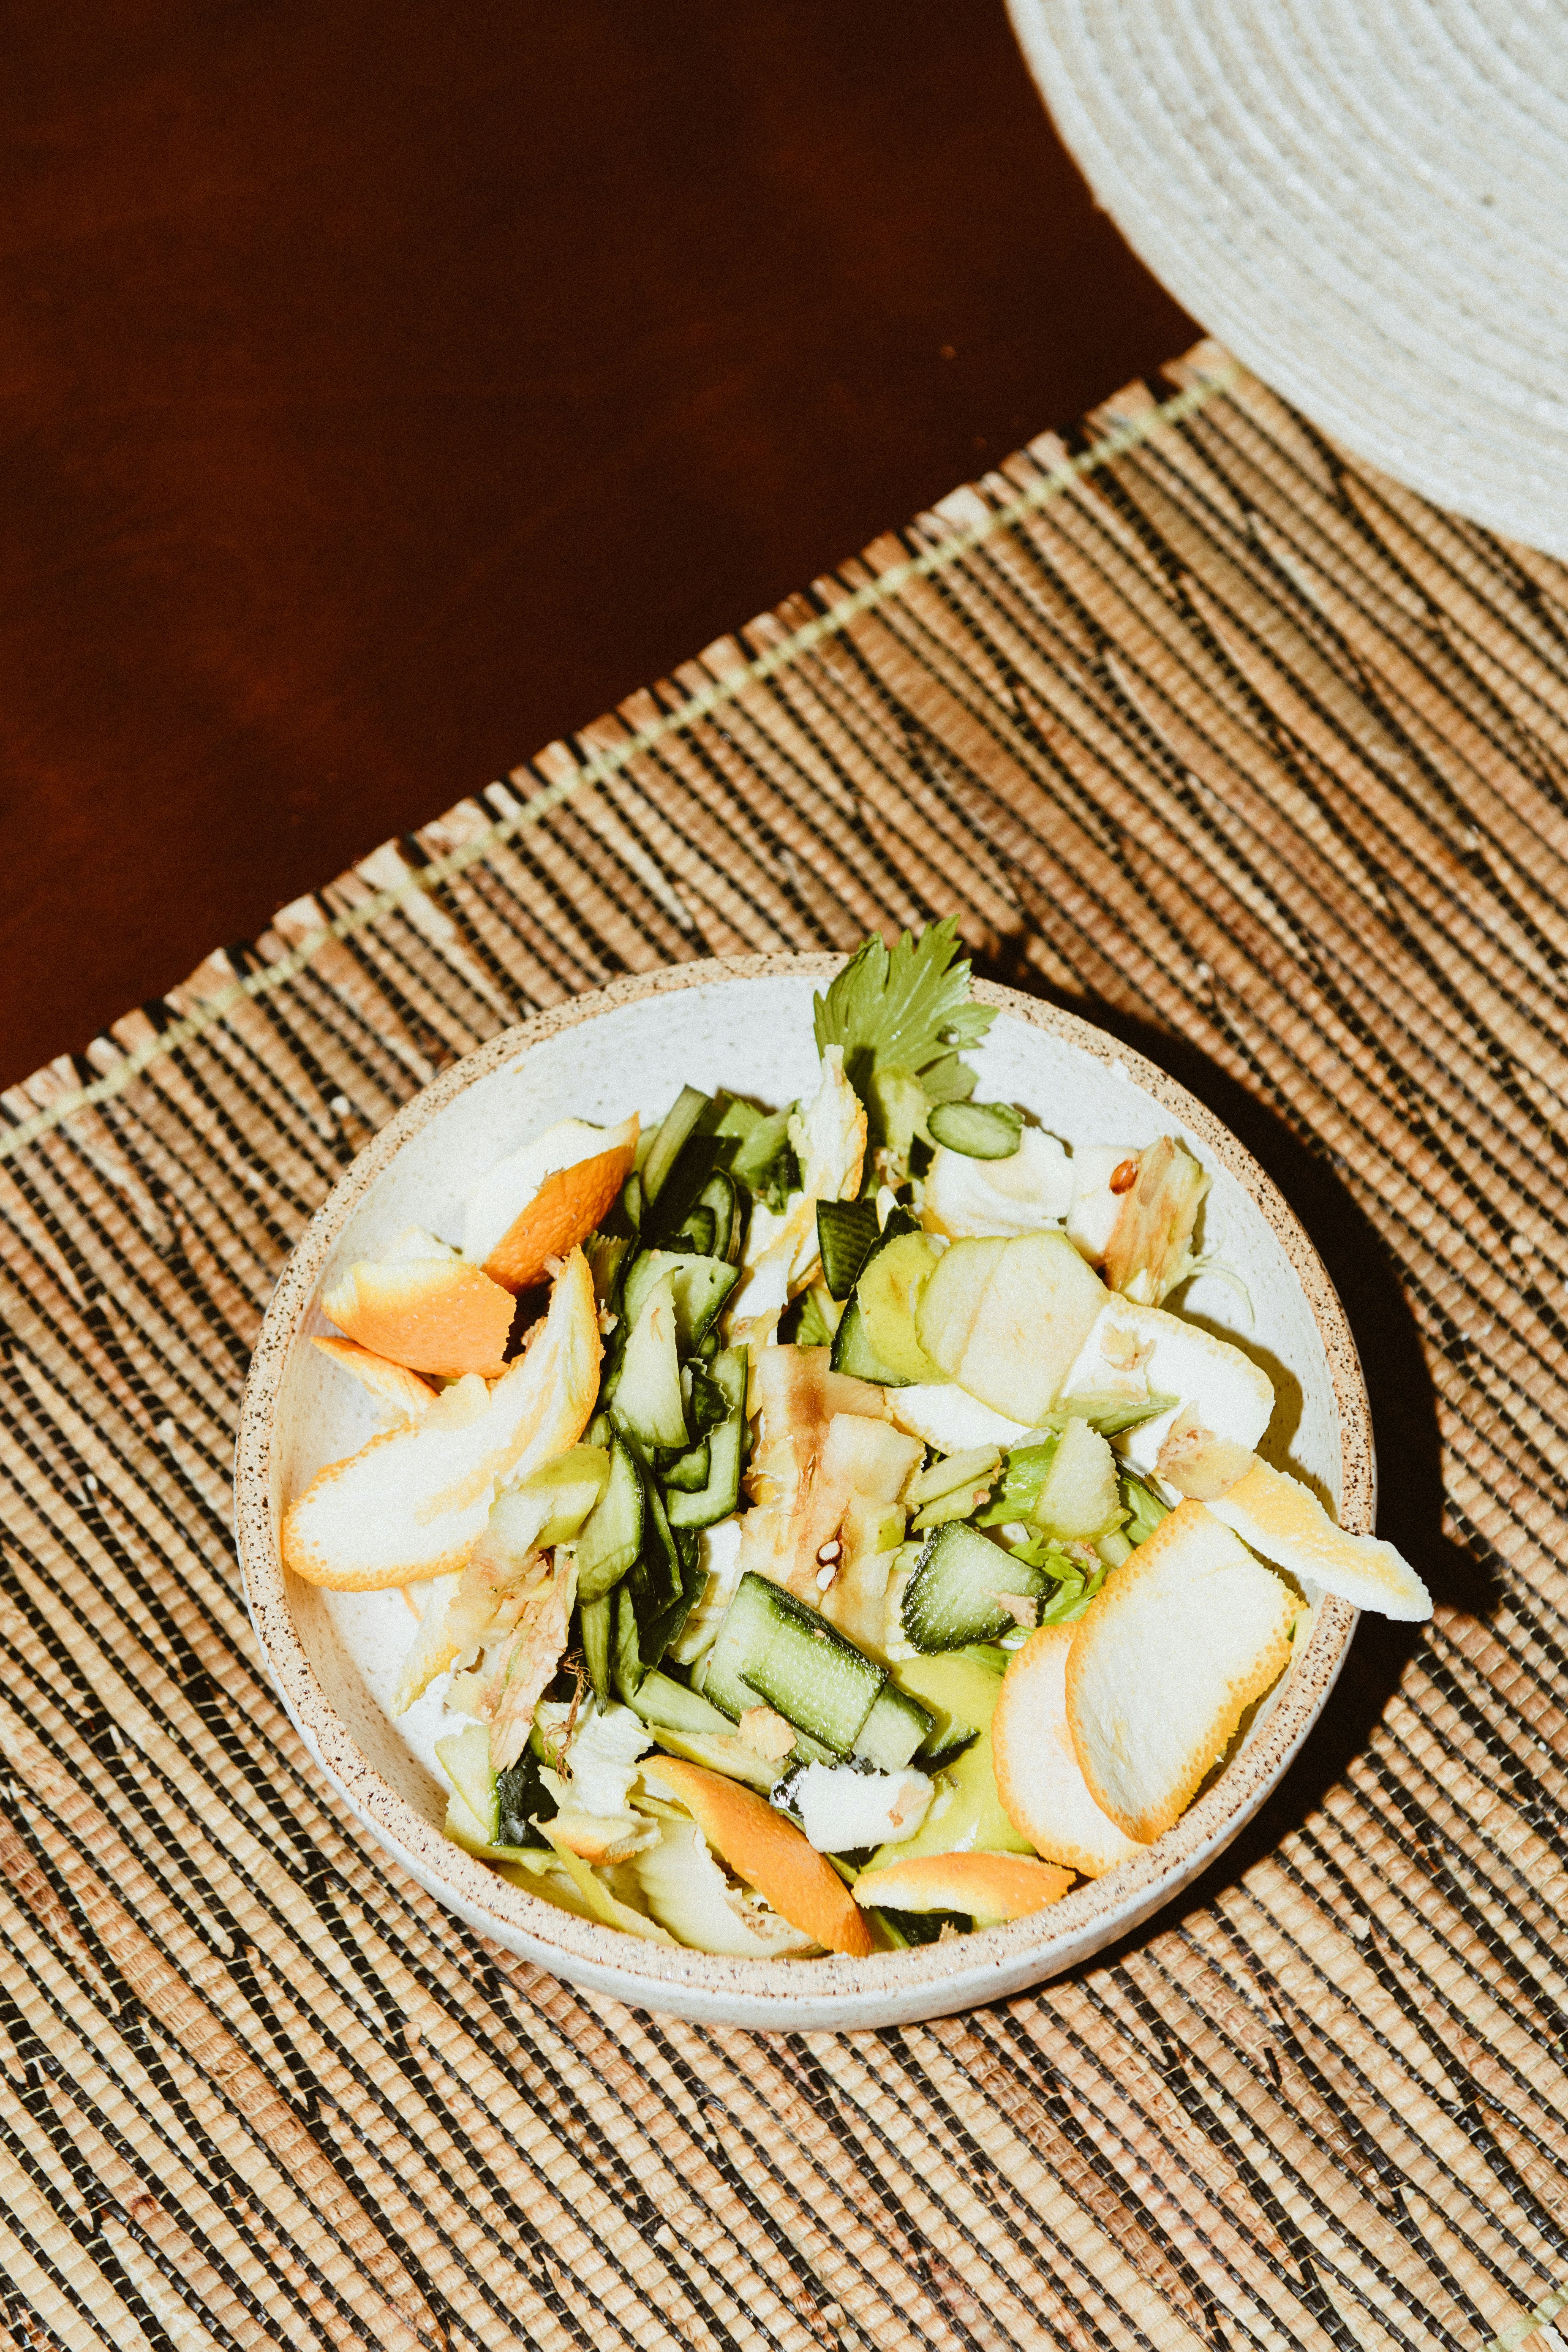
column 387, row 389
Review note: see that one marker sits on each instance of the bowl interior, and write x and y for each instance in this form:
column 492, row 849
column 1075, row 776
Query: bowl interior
column 750, row 1032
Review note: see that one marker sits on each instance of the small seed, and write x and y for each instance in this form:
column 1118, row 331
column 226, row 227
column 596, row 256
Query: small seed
column 825, row 1576
column 830, row 1550
column 1124, row 1176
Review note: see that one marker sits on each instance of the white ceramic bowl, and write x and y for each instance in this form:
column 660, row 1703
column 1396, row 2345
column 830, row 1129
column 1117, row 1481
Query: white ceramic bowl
column 746, row 1025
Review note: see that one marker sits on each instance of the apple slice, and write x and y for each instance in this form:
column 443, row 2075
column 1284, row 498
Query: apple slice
column 414, row 1502
column 389, row 1383
column 541, row 1202
column 1038, row 1778
column 990, row 1887
column 1180, row 1641
column 432, row 1314
column 1006, row 1318
column 768, row 1851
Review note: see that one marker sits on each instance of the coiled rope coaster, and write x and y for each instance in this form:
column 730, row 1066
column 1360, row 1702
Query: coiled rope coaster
column 1366, row 199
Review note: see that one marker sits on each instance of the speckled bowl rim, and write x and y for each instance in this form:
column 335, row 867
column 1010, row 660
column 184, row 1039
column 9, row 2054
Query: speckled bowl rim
column 893, row 1986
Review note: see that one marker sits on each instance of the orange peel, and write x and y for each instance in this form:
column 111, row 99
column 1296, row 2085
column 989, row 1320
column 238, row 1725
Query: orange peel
column 565, row 1209
column 414, row 1501
column 430, row 1313
column 769, row 1854
column 1038, row 1778
column 990, row 1887
column 389, row 1383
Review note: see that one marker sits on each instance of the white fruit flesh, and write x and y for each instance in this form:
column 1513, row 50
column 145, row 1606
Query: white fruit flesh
column 1021, row 1194
column 1285, row 1521
column 949, row 1418
column 1094, row 1209
column 1038, row 1778
column 1142, row 1350
column 1186, row 1634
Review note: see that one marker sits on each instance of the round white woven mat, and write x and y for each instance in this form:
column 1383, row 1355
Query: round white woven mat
column 1367, row 200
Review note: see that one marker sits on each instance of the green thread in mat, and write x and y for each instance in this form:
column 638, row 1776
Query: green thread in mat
column 605, row 765
column 1513, row 2339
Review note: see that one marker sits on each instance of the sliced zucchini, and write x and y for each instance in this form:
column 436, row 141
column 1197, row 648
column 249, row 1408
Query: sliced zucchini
column 847, row 1233
column 655, row 1635
column 979, row 1130
column 704, row 1506
column 699, row 1283
column 613, row 1533
column 607, row 1255
column 648, row 1400
column 771, row 1648
column 896, row 1729
column 682, row 1121
column 951, row 1598
column 762, row 1160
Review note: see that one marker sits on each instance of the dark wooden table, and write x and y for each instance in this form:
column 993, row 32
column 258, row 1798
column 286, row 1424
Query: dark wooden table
column 388, row 388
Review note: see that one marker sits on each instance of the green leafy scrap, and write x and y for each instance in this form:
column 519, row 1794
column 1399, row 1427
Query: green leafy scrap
column 905, row 1008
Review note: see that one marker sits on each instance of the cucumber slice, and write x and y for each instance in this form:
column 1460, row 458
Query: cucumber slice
column 648, row 1403
column 718, row 1196
column 687, row 1473
column 626, row 1669
column 521, row 1799
column 597, row 1620
column 950, row 1598
column 853, row 1353
column 613, row 1533
column 464, row 1758
column 632, row 1204
column 672, row 1707
column 771, row 1648
column 696, row 1233
column 704, row 1506
column 699, row 1284
column 669, row 1143
column 823, row 1687
column 655, row 1635
column 762, row 1158
column 896, row 1729
column 847, row 1233
column 979, row 1130
column 607, row 1255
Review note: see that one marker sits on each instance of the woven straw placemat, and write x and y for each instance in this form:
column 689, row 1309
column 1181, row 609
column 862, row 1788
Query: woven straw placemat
column 1209, row 730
